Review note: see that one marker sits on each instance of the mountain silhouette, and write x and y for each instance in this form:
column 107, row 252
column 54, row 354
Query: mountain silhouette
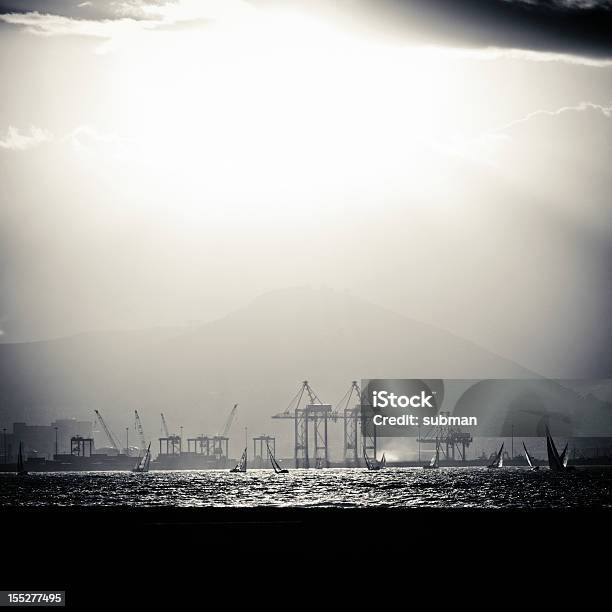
column 255, row 356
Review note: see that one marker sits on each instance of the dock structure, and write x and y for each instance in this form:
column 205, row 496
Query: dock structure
column 202, row 445
column 260, row 450
column 170, row 445
column 81, row 447
column 452, row 440
column 220, row 447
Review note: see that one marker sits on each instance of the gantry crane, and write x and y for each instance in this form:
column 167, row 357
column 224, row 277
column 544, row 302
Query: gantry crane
column 172, row 441
column 109, row 435
column 164, row 426
column 221, row 441
column 228, row 423
column 139, row 431
column 315, row 412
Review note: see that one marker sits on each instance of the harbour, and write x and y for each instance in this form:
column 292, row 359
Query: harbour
column 451, row 488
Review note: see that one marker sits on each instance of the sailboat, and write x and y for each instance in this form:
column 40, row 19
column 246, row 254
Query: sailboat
column 143, row 462
column 530, row 459
column 556, row 462
column 21, row 471
column 434, row 464
column 499, row 459
column 241, row 466
column 277, row 468
column 564, row 456
column 374, row 465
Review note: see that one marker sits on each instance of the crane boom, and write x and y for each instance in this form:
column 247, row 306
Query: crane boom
column 109, row 435
column 230, row 420
column 164, row 425
column 138, row 427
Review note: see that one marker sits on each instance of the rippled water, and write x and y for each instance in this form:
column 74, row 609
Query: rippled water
column 393, row 487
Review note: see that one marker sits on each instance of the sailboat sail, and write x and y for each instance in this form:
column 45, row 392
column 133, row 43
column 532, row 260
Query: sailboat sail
column 499, row 459
column 434, row 463
column 20, row 468
column 241, row 466
column 555, row 463
column 528, row 456
column 277, row 468
column 373, row 464
column 142, row 464
column 564, row 456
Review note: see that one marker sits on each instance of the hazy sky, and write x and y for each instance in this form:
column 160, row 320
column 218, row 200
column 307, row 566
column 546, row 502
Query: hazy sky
column 163, row 163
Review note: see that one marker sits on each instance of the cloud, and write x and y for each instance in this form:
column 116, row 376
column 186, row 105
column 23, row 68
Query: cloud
column 123, row 22
column 58, row 25
column 568, row 27
column 20, row 141
column 88, row 140
column 495, row 53
column 575, row 31
column 483, row 150
column 583, row 106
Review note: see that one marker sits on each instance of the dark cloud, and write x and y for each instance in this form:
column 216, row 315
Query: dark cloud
column 80, row 9
column 578, row 27
column 575, row 27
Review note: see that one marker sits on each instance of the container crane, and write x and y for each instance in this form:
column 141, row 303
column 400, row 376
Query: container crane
column 109, row 435
column 228, row 423
column 164, row 426
column 140, row 431
column 173, row 439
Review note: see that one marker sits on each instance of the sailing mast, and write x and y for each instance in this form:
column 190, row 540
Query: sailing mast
column 556, row 462
column 373, row 465
column 241, row 466
column 143, row 462
column 275, row 465
column 434, row 464
column 530, row 459
column 499, row 459
column 21, row 471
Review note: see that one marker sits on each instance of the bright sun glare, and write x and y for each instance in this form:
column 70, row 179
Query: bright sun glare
column 285, row 103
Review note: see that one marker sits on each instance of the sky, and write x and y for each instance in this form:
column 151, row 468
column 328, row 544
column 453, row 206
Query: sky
column 163, row 163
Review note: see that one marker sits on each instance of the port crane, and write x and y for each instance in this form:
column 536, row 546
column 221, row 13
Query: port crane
column 221, row 440
column 357, row 424
column 449, row 439
column 172, row 439
column 315, row 412
column 140, row 431
column 228, row 423
column 164, row 426
column 109, row 435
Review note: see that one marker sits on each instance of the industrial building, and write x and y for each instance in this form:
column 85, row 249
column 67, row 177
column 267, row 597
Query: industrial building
column 43, row 441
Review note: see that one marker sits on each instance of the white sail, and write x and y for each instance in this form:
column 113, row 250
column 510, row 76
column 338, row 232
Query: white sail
column 241, row 466
column 499, row 459
column 564, row 456
column 142, row 465
column 528, row 456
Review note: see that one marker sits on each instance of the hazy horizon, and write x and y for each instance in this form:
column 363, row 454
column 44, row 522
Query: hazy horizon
column 165, row 163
